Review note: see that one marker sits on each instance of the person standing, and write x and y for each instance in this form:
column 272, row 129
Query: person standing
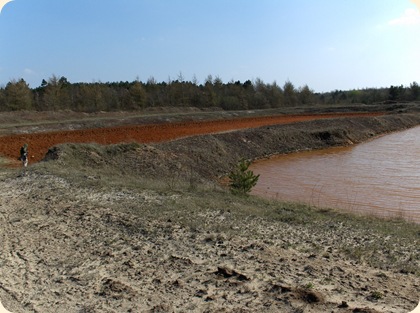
column 24, row 155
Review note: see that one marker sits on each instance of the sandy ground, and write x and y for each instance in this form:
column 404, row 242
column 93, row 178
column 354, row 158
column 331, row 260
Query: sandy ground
column 66, row 249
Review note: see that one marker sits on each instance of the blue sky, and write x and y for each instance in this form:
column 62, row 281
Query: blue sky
column 326, row 44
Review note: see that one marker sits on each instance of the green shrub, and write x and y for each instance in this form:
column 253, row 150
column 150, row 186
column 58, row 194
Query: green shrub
column 242, row 180
column 375, row 296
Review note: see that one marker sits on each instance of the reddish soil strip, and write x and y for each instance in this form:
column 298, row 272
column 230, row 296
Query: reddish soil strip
column 39, row 143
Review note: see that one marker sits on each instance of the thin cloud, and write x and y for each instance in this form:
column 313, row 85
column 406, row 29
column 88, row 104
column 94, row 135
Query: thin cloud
column 28, row 71
column 410, row 17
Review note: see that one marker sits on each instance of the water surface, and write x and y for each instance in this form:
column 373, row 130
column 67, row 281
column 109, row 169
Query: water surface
column 380, row 177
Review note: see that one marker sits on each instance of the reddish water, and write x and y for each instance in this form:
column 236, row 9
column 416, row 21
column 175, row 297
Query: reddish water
column 379, row 177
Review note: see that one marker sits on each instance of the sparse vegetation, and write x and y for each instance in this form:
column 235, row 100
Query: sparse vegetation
column 91, row 166
column 375, row 295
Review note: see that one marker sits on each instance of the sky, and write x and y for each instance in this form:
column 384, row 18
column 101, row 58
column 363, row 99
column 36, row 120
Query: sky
column 325, row 44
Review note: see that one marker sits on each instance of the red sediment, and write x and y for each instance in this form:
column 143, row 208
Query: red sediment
column 39, row 143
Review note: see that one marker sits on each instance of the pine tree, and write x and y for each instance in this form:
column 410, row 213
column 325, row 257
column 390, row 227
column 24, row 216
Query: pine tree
column 242, row 180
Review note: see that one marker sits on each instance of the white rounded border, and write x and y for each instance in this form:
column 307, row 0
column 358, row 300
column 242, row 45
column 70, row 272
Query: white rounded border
column 3, row 310
column 416, row 310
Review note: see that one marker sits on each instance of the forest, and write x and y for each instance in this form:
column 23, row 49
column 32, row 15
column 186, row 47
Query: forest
column 57, row 93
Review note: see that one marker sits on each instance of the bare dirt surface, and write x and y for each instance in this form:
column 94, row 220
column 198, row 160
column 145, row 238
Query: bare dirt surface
column 82, row 233
column 40, row 141
column 68, row 249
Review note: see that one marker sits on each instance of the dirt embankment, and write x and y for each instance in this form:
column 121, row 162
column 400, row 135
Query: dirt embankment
column 211, row 156
column 40, row 141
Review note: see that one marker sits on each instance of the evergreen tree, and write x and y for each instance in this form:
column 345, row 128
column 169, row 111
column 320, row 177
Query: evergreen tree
column 242, row 180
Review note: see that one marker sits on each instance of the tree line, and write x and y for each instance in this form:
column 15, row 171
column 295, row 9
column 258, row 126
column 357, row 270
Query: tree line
column 57, row 93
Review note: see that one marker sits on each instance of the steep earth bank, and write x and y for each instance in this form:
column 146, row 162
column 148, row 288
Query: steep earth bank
column 212, row 156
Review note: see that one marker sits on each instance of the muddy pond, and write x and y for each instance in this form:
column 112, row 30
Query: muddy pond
column 379, row 177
